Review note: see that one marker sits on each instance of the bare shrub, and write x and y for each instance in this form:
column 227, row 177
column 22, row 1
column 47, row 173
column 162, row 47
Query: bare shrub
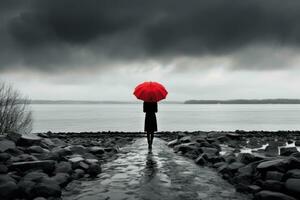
column 14, row 113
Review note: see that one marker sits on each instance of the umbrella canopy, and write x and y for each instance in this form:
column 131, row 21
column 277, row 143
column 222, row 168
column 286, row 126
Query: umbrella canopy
column 150, row 91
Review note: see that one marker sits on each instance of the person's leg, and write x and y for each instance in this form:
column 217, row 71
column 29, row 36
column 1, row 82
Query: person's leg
column 152, row 136
column 149, row 139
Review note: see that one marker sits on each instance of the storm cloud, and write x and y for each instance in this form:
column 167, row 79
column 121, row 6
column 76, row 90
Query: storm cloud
column 54, row 34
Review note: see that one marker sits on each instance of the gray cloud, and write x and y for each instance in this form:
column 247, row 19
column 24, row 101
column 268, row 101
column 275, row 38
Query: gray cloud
column 55, row 34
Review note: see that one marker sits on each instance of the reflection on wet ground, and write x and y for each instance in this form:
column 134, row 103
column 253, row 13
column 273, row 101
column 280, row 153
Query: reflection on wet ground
column 159, row 174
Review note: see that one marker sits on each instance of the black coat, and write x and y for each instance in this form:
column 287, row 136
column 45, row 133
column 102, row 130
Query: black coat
column 150, row 108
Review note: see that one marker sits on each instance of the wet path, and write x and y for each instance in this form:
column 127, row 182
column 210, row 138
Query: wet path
column 157, row 175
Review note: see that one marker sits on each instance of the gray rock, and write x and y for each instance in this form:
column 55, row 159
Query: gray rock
column 96, row 150
column 39, row 198
column 63, row 167
column 83, row 165
column 269, row 195
column 185, row 139
column 29, row 140
column 273, row 185
column 173, row 143
column 8, row 190
column 58, row 142
column 35, row 176
column 4, row 157
column 297, row 143
column 235, row 166
column 271, row 150
column 254, row 188
column 46, row 165
column 75, row 160
column 286, row 151
column 25, row 188
column 62, row 179
column 209, row 150
column 6, row 145
column 78, row 173
column 94, row 170
column 46, row 188
column 23, row 158
column 201, row 160
column 277, row 165
column 13, row 136
column 247, row 158
column 36, row 149
column 274, row 175
column 47, row 143
column 293, row 173
column 3, row 169
column 5, row 178
column 292, row 186
column 77, row 149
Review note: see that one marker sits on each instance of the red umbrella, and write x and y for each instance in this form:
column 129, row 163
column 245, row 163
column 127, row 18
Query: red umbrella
column 150, row 91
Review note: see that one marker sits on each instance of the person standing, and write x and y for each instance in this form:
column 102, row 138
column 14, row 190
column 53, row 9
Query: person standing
column 150, row 108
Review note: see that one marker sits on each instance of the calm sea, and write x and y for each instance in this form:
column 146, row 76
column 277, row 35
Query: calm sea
column 171, row 117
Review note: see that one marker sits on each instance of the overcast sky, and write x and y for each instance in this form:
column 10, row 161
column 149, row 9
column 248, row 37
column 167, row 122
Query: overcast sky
column 199, row 49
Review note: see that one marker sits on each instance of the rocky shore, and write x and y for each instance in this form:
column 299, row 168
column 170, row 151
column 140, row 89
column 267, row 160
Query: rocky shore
column 42, row 166
column 265, row 164
column 50, row 165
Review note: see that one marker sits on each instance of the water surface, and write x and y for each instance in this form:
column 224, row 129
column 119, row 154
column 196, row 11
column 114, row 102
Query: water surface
column 171, row 117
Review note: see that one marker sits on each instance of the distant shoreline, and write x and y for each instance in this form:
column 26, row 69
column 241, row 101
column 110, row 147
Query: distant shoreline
column 232, row 101
column 245, row 101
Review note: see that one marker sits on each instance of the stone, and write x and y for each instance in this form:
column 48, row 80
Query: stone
column 287, row 151
column 96, row 150
column 83, row 165
column 35, row 176
column 6, row 145
column 5, row 178
column 271, row 151
column 277, row 165
column 234, row 136
column 4, row 157
column 293, row 173
column 297, row 143
column 201, row 160
column 47, row 143
column 36, row 149
column 235, row 166
column 29, row 140
column 39, row 198
column 185, row 139
column 94, row 170
column 13, row 136
column 186, row 147
column 61, row 178
column 75, row 160
column 292, row 186
column 24, row 158
column 78, row 173
column 46, row 188
column 274, row 175
column 63, row 167
column 58, row 142
column 3, row 169
column 254, row 188
column 77, row 149
column 25, row 188
column 8, row 190
column 269, row 195
column 246, row 158
column 173, row 143
column 272, row 185
column 46, row 165
column 209, row 150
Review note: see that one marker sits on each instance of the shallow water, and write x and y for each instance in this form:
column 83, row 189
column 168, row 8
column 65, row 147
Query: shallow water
column 171, row 117
column 138, row 174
